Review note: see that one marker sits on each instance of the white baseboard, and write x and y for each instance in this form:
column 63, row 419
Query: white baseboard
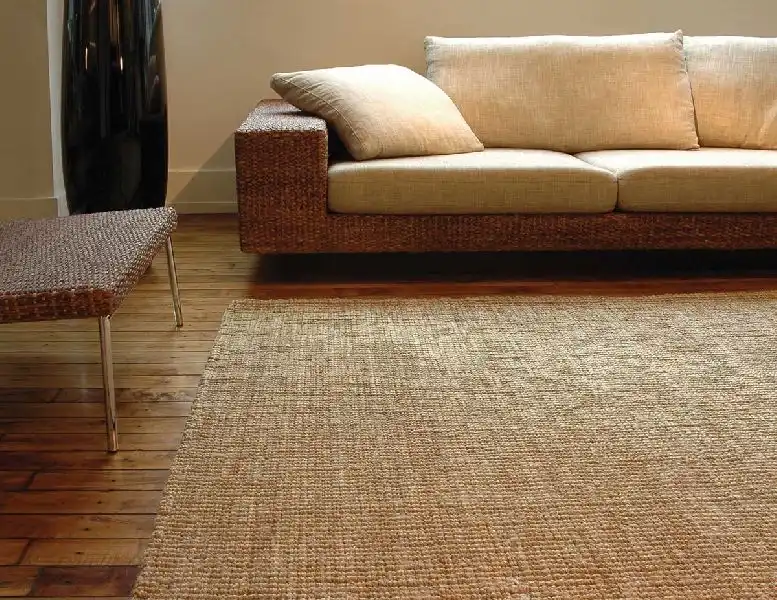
column 207, row 191
column 28, row 208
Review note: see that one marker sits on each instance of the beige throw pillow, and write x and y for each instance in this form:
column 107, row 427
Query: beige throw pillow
column 569, row 93
column 380, row 111
column 734, row 84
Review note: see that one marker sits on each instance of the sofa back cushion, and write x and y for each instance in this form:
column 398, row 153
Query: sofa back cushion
column 380, row 111
column 734, row 84
column 569, row 93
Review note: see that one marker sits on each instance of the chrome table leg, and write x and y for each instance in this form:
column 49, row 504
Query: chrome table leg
column 173, row 276
column 109, row 388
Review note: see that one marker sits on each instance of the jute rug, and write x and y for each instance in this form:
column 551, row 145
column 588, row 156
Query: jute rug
column 492, row 447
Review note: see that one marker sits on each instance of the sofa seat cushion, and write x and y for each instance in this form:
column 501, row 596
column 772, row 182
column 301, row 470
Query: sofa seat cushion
column 569, row 93
column 489, row 182
column 734, row 84
column 705, row 180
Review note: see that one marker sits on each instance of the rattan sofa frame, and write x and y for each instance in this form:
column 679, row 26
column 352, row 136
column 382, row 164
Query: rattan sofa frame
column 282, row 157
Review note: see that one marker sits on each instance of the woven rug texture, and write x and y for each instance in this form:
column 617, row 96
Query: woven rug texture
column 493, row 447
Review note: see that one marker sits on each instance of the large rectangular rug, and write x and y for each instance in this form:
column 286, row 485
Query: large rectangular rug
column 492, row 447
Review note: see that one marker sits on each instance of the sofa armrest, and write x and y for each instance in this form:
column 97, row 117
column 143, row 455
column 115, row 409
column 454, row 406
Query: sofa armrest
column 281, row 162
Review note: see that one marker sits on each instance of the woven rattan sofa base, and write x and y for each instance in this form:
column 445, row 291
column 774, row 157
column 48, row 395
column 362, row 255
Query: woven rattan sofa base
column 82, row 266
column 282, row 156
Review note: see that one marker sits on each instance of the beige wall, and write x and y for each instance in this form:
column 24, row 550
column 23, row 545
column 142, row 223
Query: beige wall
column 221, row 54
column 26, row 167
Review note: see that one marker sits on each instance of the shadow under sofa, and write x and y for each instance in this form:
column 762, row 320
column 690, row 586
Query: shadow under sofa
column 285, row 159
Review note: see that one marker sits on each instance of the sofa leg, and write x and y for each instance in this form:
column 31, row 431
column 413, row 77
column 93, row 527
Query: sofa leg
column 109, row 389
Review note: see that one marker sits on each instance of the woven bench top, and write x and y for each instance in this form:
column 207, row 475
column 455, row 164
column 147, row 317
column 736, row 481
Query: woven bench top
column 77, row 266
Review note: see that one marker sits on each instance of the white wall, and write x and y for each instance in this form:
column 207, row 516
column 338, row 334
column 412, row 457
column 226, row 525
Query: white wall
column 26, row 167
column 220, row 54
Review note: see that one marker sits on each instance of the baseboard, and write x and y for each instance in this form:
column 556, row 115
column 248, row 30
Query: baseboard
column 28, row 208
column 208, row 191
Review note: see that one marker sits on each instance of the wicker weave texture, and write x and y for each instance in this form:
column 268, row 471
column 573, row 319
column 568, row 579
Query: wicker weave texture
column 282, row 160
column 502, row 448
column 77, row 266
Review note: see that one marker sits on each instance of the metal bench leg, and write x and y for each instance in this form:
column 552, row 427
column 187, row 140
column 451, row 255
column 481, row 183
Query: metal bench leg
column 109, row 388
column 173, row 276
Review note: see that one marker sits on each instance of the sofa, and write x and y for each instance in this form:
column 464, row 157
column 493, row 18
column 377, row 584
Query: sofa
column 588, row 144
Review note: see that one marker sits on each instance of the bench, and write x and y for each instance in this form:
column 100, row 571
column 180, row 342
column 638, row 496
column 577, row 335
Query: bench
column 83, row 266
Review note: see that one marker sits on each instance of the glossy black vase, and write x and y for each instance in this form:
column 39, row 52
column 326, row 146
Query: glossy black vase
column 114, row 105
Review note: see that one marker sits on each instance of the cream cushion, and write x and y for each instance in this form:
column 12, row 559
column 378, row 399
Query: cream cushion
column 569, row 93
column 490, row 182
column 734, row 84
column 380, row 110
column 706, row 180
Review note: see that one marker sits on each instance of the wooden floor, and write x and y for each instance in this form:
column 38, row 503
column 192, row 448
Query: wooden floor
column 74, row 520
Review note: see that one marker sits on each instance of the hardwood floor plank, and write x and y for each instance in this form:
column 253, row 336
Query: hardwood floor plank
column 84, row 552
column 30, row 344
column 80, row 502
column 118, row 323
column 25, row 395
column 160, row 382
column 234, row 274
column 92, row 410
column 49, row 442
column 196, row 281
column 77, row 526
column 96, row 395
column 70, row 597
column 158, row 338
column 65, row 357
column 11, row 550
column 50, row 411
column 215, row 313
column 22, row 368
column 214, row 294
column 84, row 581
column 85, row 461
column 17, row 581
column 82, row 425
column 13, row 480
column 99, row 480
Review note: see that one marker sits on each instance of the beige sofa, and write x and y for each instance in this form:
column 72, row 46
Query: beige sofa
column 664, row 142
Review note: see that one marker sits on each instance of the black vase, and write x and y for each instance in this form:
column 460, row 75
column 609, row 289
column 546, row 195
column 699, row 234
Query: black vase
column 114, row 105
